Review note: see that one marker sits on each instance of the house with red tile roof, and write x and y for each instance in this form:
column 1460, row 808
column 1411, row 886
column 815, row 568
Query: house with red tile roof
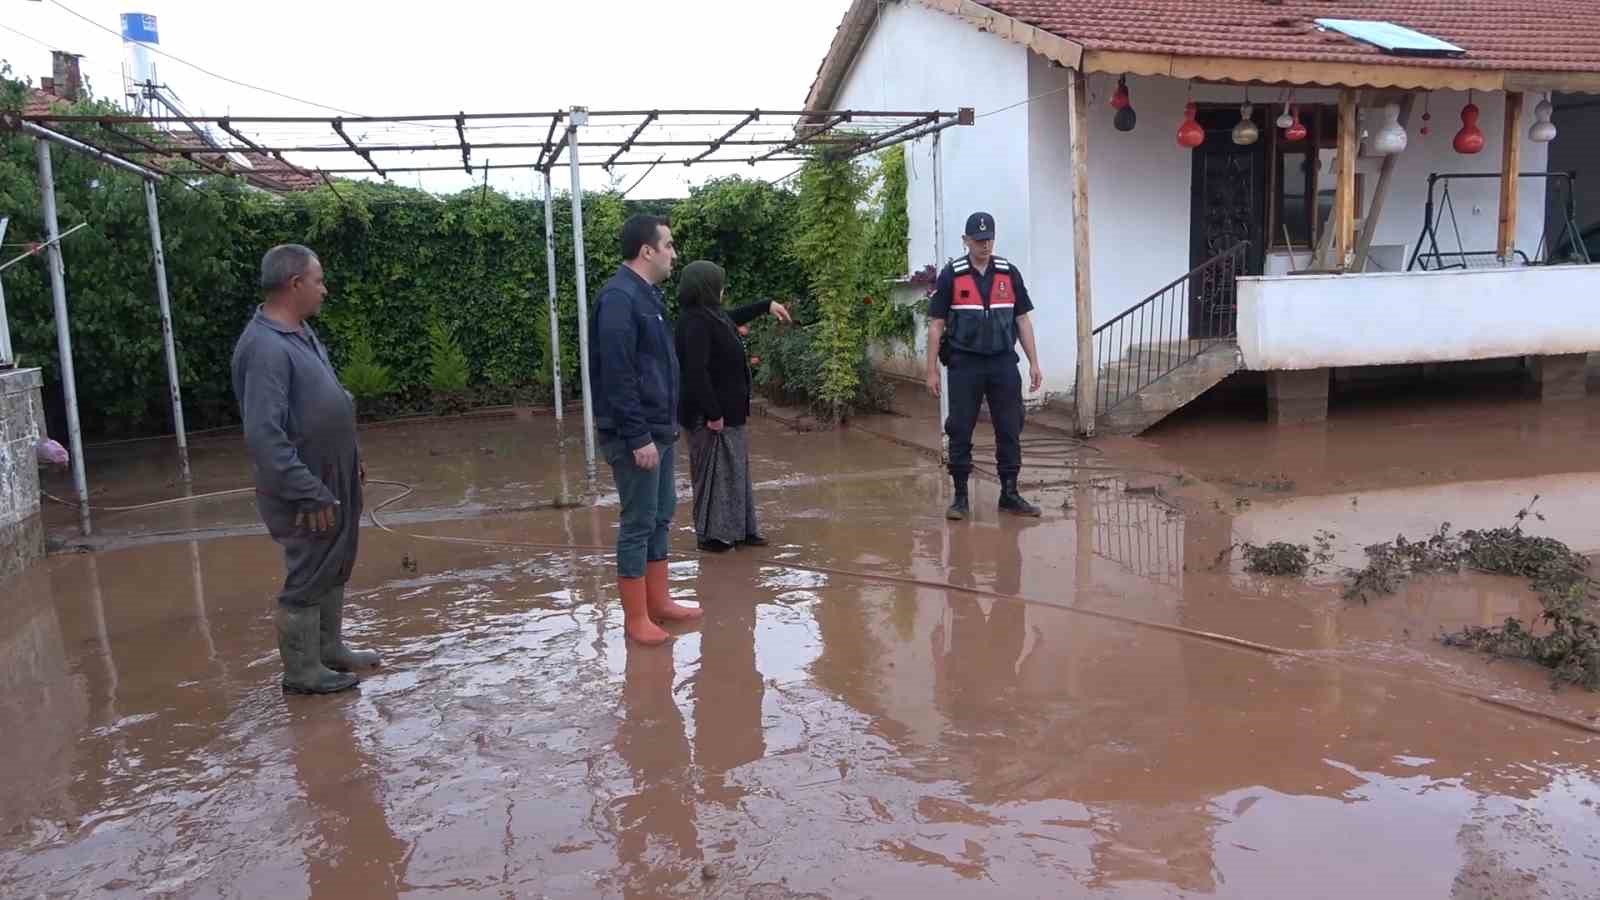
column 1301, row 188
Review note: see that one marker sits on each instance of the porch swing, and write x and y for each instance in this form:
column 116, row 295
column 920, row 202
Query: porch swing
column 1428, row 256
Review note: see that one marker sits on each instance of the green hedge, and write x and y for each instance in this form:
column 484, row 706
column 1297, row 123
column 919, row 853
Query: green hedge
column 405, row 269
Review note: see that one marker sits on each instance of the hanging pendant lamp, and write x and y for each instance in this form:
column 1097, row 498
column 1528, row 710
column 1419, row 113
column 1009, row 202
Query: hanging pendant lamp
column 1190, row 134
column 1391, row 138
column 1297, row 129
column 1246, row 133
column 1125, row 118
column 1469, row 139
column 1543, row 130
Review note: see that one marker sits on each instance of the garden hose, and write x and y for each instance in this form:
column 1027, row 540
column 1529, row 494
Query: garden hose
column 1211, row 637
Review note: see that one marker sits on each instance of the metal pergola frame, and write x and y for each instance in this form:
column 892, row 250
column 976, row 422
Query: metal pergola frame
column 745, row 136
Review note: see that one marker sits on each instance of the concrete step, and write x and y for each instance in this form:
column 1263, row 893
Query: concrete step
column 1172, row 392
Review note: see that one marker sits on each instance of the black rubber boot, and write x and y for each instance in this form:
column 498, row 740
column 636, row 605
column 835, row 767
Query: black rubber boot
column 958, row 506
column 1013, row 502
column 299, row 644
column 335, row 655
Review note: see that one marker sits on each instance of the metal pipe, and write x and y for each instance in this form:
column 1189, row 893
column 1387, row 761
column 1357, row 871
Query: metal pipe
column 58, row 293
column 10, row 120
column 7, row 356
column 451, row 117
column 523, row 165
column 43, row 246
column 580, row 117
column 938, row 261
column 555, row 320
column 158, row 261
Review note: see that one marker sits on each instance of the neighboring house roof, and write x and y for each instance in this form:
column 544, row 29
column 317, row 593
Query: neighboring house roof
column 39, row 103
column 264, row 172
column 1510, row 44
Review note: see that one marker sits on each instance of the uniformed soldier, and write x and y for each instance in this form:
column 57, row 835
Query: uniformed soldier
column 978, row 314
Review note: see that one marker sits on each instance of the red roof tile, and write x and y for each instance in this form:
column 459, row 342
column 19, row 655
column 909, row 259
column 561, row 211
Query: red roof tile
column 38, row 103
column 1506, row 35
column 263, row 171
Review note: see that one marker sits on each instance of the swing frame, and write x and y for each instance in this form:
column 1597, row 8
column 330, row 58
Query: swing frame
column 1434, row 259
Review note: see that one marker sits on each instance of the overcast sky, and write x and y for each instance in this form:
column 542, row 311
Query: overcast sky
column 407, row 58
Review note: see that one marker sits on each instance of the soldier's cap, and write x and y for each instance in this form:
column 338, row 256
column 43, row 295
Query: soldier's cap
column 980, row 226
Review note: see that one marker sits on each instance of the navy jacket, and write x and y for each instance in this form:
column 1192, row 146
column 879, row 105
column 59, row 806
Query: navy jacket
column 633, row 366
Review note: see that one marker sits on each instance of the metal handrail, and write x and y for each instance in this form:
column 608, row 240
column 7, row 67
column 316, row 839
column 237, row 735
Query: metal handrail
column 1159, row 328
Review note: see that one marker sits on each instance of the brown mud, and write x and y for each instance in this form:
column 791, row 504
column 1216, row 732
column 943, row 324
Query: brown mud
column 881, row 703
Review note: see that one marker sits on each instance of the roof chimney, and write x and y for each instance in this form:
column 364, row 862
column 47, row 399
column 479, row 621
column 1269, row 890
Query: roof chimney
column 47, row 85
column 68, row 81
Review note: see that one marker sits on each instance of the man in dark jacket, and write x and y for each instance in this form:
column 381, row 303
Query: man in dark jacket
column 300, row 428
column 634, row 371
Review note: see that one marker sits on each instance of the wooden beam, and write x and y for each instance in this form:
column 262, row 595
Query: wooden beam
column 1381, row 193
column 1547, row 82
column 1344, row 199
column 848, row 40
column 1291, row 73
column 1078, row 115
column 1047, row 44
column 1510, row 165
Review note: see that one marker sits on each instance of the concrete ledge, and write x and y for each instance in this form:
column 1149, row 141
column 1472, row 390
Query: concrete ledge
column 1338, row 321
column 21, row 427
column 21, row 545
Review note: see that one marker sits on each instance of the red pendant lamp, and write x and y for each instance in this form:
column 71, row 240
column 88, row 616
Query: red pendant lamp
column 1469, row 139
column 1125, row 118
column 1296, row 130
column 1190, row 134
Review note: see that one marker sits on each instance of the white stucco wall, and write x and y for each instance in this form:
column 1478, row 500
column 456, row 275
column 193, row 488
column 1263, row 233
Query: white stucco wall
column 1015, row 164
column 1311, row 321
column 906, row 64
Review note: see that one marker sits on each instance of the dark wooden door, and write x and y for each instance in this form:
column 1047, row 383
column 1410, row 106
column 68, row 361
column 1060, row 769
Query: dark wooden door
column 1228, row 205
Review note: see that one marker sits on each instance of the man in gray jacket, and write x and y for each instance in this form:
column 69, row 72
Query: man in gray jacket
column 300, row 428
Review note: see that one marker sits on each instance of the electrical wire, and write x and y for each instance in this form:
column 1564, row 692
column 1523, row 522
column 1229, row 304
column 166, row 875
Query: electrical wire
column 178, row 59
column 20, row 34
column 995, row 112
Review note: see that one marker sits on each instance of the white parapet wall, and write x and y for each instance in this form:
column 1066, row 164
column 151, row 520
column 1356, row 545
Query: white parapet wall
column 1374, row 319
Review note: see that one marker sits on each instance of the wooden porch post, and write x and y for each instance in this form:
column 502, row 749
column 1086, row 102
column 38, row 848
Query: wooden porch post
column 1510, row 163
column 1380, row 194
column 1344, row 201
column 1078, row 103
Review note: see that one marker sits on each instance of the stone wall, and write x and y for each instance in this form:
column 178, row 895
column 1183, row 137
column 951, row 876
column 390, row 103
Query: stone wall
column 21, row 427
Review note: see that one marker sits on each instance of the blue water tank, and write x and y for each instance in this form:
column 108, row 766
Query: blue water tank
column 140, row 27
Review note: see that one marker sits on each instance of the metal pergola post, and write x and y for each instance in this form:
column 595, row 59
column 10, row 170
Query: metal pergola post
column 555, row 319
column 580, row 116
column 938, row 261
column 158, row 261
column 58, row 293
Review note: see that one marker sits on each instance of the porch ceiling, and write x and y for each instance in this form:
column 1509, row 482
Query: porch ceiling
column 1242, row 70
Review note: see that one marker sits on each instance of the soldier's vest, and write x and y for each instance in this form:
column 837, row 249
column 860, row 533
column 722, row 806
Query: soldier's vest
column 979, row 325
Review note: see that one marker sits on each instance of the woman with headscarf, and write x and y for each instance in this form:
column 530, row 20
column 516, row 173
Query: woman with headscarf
column 714, row 406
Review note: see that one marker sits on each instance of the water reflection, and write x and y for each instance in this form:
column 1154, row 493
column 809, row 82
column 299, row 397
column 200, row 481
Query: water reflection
column 354, row 852
column 657, row 838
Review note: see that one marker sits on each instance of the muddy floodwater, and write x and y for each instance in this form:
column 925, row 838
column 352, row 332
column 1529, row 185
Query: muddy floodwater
column 1097, row 703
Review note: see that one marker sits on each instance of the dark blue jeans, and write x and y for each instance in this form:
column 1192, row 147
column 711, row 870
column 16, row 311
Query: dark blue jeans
column 648, row 500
